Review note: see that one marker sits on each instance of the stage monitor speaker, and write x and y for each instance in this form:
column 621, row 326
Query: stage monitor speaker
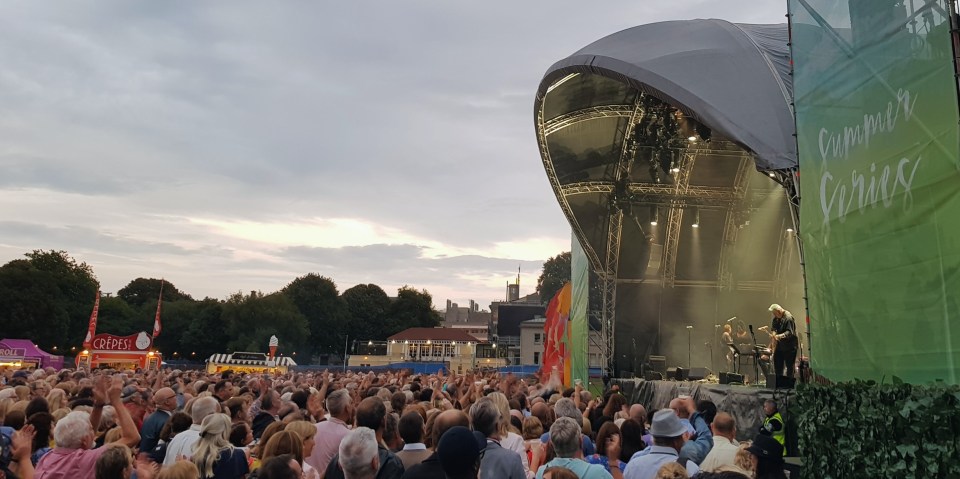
column 780, row 382
column 676, row 374
column 653, row 376
column 658, row 364
column 696, row 374
column 731, row 378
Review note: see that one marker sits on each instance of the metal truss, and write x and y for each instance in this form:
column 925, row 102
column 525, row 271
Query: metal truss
column 655, row 193
column 675, row 220
column 614, row 232
column 558, row 192
column 731, row 223
column 608, row 111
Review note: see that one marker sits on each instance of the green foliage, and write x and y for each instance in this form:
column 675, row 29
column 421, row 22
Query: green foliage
column 367, row 305
column 865, row 429
column 207, row 331
column 118, row 317
column 316, row 297
column 556, row 272
column 47, row 297
column 411, row 309
column 251, row 320
column 145, row 291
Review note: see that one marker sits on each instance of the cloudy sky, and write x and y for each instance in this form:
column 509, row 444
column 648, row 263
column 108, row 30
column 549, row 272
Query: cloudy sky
column 233, row 146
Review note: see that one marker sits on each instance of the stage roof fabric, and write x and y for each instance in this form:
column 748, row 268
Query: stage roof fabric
column 733, row 78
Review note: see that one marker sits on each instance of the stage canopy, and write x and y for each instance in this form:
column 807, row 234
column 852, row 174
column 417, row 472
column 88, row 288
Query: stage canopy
column 651, row 138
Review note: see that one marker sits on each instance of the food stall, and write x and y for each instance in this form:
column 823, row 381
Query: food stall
column 23, row 354
column 245, row 362
column 120, row 352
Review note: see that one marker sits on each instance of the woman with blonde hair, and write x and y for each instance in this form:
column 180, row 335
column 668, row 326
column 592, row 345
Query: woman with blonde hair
column 509, row 439
column 214, row 456
column 57, row 399
column 180, row 470
column 284, row 442
column 307, row 432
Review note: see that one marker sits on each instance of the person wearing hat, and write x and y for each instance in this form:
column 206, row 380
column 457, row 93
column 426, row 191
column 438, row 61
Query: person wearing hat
column 459, row 453
column 784, row 331
column 766, row 455
column 132, row 397
column 669, row 435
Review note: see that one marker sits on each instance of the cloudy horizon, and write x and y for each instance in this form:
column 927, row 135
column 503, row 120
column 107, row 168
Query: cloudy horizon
column 236, row 146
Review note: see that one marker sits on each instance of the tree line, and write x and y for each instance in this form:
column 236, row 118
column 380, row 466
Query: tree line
column 48, row 297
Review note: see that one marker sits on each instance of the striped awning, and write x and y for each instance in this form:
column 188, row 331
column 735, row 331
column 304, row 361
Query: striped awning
column 229, row 359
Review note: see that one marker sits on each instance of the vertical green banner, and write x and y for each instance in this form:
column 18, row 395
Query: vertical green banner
column 579, row 305
column 877, row 125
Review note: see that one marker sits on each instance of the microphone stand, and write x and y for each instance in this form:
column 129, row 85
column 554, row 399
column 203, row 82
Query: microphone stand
column 756, row 356
column 689, row 346
column 716, row 341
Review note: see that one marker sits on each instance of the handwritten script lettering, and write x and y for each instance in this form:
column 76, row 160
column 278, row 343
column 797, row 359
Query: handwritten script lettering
column 882, row 182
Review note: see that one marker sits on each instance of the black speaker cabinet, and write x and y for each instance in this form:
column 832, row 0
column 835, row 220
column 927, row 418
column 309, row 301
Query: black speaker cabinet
column 696, row 374
column 731, row 378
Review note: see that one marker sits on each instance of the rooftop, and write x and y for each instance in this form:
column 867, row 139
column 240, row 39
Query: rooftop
column 433, row 334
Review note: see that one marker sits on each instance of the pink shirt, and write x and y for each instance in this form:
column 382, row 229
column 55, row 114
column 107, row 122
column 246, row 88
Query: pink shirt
column 326, row 444
column 63, row 463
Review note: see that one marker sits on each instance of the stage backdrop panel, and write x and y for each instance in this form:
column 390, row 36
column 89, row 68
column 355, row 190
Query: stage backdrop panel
column 877, row 124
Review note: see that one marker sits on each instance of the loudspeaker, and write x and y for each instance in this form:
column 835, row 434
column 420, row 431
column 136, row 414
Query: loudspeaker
column 780, row 382
column 676, row 374
column 731, row 378
column 653, row 376
column 658, row 364
column 696, row 374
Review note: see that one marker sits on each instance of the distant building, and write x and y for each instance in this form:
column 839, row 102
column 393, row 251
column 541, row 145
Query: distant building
column 470, row 319
column 506, row 317
column 532, row 341
column 453, row 347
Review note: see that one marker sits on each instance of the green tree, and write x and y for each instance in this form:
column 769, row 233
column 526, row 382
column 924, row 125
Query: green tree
column 118, row 317
column 556, row 272
column 179, row 323
column 207, row 332
column 145, row 291
column 251, row 320
column 47, row 297
column 411, row 309
column 367, row 307
column 317, row 298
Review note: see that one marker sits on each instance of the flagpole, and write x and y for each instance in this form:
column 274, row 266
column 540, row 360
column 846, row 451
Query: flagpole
column 156, row 319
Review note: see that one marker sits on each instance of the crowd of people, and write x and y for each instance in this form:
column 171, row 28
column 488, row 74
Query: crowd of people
column 392, row 425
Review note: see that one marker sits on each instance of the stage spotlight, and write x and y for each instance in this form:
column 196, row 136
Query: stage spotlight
column 696, row 218
column 654, row 215
column 704, row 132
column 675, row 170
column 772, row 174
column 692, row 138
column 789, row 230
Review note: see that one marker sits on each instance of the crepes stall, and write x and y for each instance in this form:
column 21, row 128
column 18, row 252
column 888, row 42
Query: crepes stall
column 246, row 362
column 120, row 352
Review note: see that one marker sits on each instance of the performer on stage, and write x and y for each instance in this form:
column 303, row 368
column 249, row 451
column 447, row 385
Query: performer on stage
column 784, row 330
column 727, row 338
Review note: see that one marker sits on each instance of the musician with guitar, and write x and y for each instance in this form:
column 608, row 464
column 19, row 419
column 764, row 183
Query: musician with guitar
column 784, row 335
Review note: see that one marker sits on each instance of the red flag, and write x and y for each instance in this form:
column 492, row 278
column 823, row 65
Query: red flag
column 156, row 319
column 92, row 328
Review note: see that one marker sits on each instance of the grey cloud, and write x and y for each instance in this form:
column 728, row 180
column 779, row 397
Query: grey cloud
column 413, row 115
